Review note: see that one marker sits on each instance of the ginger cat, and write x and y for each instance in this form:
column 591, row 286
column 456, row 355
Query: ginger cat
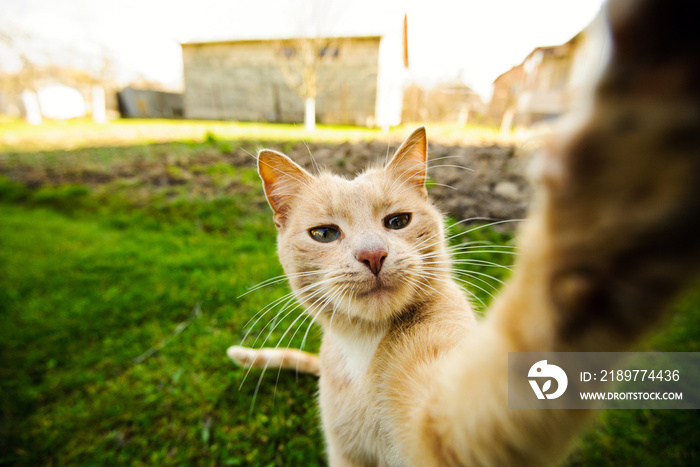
column 408, row 376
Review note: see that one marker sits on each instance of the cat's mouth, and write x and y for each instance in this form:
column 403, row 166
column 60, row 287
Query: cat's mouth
column 378, row 286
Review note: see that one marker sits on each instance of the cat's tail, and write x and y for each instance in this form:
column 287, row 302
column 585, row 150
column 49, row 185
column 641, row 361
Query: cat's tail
column 288, row 359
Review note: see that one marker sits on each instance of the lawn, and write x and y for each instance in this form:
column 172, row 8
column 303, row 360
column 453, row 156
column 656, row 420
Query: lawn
column 120, row 294
column 19, row 136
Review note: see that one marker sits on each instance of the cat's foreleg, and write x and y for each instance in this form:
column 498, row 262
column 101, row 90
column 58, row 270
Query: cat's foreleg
column 612, row 240
column 287, row 359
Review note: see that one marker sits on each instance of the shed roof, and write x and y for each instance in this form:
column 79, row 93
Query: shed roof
column 286, row 19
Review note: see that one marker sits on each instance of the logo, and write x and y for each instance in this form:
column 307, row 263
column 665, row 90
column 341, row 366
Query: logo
column 542, row 370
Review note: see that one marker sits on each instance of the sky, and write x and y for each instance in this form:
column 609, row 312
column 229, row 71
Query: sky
column 474, row 40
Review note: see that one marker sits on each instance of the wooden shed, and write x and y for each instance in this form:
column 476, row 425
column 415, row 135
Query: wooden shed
column 242, row 69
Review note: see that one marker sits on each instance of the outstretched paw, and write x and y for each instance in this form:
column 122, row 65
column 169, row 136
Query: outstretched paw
column 622, row 210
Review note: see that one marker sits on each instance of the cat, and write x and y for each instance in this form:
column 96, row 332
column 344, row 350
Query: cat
column 408, row 375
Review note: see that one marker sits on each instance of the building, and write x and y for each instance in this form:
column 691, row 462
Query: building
column 54, row 92
column 543, row 94
column 506, row 88
column 451, row 102
column 148, row 103
column 551, row 80
column 253, row 67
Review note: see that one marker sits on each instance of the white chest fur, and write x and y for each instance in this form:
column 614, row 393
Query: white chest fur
column 357, row 351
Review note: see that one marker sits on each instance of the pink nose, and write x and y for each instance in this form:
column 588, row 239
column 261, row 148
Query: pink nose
column 373, row 259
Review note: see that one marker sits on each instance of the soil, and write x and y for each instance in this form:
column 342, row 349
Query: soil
column 465, row 181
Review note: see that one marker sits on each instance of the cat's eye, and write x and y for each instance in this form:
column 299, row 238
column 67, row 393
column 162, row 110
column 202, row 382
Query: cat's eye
column 397, row 221
column 324, row 234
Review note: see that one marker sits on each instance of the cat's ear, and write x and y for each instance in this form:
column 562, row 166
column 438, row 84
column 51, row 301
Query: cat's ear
column 282, row 181
column 409, row 164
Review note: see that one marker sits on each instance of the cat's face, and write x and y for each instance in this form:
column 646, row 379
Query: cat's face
column 366, row 248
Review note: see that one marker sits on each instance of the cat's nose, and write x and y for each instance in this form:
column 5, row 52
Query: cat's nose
column 373, row 259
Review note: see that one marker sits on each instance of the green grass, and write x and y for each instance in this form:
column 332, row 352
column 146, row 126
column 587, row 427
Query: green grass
column 119, row 297
column 19, row 136
column 85, row 305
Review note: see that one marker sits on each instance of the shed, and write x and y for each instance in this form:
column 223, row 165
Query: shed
column 239, row 67
column 148, row 103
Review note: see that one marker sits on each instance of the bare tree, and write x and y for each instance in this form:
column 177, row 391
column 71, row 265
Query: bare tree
column 302, row 61
column 309, row 48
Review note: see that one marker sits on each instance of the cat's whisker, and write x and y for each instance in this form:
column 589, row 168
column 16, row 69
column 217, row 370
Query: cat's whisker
column 303, row 340
column 388, row 146
column 466, row 250
column 439, row 236
column 505, row 221
column 468, row 292
column 468, row 219
column 413, row 283
column 288, row 297
column 245, row 376
column 446, row 279
column 280, row 278
column 313, row 159
column 492, row 287
column 335, row 308
column 247, row 152
column 318, row 305
column 285, row 300
column 433, row 288
column 287, row 304
column 310, row 314
column 441, row 158
column 499, row 252
column 481, row 262
column 423, row 242
column 330, row 325
column 480, row 244
column 446, row 258
column 445, row 275
column 272, row 324
column 464, row 281
column 308, row 328
column 262, row 374
column 444, row 185
column 312, row 311
column 455, row 166
column 483, row 242
column 458, row 254
column 351, row 293
column 471, row 273
column 440, row 240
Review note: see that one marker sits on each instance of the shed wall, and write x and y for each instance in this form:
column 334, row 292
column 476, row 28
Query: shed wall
column 243, row 81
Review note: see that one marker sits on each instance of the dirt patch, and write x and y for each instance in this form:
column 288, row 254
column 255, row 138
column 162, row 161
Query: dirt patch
column 465, row 181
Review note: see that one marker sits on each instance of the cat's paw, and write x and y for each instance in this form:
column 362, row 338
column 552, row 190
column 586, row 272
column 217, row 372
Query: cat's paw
column 243, row 356
column 622, row 210
column 291, row 359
